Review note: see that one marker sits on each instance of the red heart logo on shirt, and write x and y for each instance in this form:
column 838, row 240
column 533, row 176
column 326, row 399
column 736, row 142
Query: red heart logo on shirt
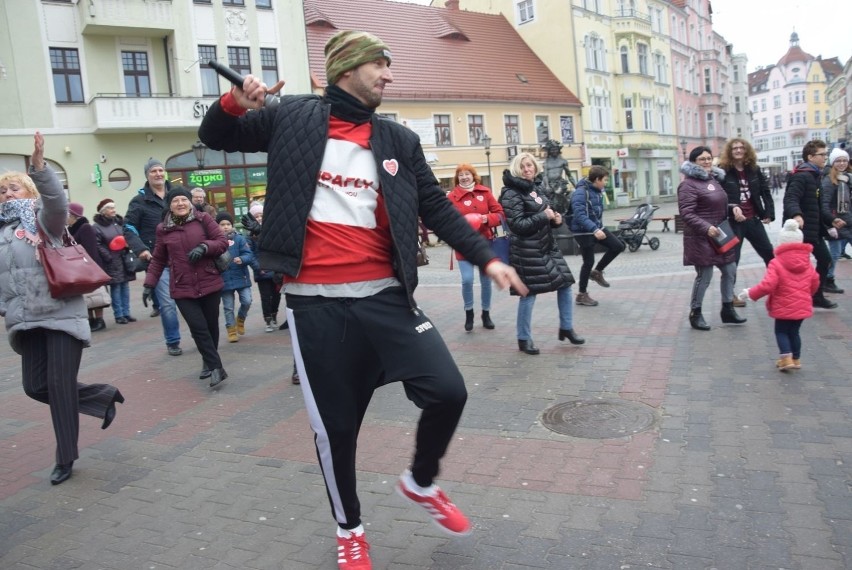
column 391, row 166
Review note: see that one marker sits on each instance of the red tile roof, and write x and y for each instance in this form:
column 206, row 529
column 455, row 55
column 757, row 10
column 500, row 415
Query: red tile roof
column 832, row 67
column 795, row 53
column 757, row 79
column 439, row 53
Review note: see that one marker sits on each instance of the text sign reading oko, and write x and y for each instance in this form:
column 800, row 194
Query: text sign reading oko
column 205, row 178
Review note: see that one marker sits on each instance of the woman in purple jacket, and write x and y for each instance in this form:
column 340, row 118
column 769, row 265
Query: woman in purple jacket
column 188, row 241
column 703, row 205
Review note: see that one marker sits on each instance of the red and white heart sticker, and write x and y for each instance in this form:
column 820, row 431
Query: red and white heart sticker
column 391, row 166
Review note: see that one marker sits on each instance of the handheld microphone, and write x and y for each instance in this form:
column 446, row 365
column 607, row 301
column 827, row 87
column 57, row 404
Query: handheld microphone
column 237, row 79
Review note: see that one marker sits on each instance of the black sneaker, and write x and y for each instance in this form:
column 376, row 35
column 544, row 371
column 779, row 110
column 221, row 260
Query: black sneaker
column 175, row 350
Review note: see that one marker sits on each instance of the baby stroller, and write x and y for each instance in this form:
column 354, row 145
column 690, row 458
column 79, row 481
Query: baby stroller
column 632, row 230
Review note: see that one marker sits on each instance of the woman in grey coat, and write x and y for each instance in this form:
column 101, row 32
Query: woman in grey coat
column 48, row 333
column 703, row 205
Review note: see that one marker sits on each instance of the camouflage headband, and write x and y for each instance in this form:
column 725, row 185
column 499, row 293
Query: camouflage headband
column 347, row 50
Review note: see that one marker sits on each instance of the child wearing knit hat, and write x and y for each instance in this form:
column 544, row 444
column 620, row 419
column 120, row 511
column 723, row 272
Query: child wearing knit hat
column 236, row 278
column 789, row 285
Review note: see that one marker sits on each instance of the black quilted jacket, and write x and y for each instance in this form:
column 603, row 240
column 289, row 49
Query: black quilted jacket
column 801, row 198
column 533, row 250
column 294, row 135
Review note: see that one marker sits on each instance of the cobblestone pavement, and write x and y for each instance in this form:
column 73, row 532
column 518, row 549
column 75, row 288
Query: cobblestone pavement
column 743, row 468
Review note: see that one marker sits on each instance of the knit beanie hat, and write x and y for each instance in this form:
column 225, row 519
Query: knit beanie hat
column 224, row 216
column 152, row 162
column 104, row 203
column 175, row 192
column 790, row 233
column 75, row 209
column 837, row 153
column 348, row 49
column 256, row 209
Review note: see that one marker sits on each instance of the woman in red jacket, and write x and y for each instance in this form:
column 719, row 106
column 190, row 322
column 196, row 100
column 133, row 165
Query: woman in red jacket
column 790, row 282
column 483, row 211
column 188, row 242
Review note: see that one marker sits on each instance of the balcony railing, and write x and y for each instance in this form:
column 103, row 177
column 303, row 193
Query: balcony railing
column 121, row 113
column 631, row 21
column 632, row 13
column 713, row 100
column 140, row 17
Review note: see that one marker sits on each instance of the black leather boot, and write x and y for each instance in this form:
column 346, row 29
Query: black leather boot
column 109, row 415
column 696, row 320
column 820, row 301
column 468, row 320
column 831, row 287
column 729, row 314
column 571, row 336
column 61, row 473
column 486, row 320
column 217, row 377
column 527, row 346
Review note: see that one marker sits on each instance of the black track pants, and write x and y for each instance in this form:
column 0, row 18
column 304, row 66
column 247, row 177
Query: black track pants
column 345, row 349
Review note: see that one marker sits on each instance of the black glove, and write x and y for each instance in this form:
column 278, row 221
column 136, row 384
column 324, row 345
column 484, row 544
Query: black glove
column 197, row 252
column 147, row 295
column 250, row 224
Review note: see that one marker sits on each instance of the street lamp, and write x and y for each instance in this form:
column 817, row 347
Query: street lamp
column 486, row 142
column 683, row 148
column 199, row 149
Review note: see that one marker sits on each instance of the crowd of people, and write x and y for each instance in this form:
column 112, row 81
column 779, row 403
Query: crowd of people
column 816, row 214
column 354, row 323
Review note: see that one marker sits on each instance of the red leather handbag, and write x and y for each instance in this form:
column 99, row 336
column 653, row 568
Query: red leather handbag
column 68, row 268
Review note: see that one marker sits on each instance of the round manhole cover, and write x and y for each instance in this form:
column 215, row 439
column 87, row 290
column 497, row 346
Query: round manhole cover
column 598, row 419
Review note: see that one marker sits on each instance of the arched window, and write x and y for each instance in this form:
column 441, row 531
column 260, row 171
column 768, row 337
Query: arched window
column 595, row 53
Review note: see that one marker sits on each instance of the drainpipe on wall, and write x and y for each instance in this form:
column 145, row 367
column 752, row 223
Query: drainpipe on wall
column 168, row 67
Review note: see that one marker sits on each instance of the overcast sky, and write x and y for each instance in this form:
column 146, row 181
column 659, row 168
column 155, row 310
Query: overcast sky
column 761, row 28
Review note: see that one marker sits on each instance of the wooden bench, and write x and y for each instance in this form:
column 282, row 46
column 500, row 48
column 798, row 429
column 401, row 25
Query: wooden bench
column 664, row 219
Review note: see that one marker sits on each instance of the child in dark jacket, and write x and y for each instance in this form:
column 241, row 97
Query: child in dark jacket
column 236, row 277
column 790, row 282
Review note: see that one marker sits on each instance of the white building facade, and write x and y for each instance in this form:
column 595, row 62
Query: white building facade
column 111, row 83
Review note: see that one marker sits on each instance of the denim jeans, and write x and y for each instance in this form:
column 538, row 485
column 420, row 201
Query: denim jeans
column 835, row 247
column 168, row 309
column 228, row 304
column 120, row 298
column 466, row 270
column 787, row 337
column 525, row 308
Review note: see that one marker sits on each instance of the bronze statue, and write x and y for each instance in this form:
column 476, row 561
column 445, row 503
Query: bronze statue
column 558, row 183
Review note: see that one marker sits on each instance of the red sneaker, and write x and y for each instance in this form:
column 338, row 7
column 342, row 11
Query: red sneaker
column 444, row 513
column 353, row 553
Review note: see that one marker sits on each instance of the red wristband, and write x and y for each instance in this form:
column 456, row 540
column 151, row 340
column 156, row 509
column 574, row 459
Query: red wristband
column 229, row 104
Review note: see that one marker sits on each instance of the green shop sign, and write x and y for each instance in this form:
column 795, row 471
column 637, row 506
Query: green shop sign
column 248, row 176
column 205, row 178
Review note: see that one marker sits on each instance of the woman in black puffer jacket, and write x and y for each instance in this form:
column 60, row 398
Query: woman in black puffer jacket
column 533, row 250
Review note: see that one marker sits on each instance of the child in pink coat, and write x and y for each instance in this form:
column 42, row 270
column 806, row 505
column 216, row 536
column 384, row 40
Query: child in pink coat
column 790, row 282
